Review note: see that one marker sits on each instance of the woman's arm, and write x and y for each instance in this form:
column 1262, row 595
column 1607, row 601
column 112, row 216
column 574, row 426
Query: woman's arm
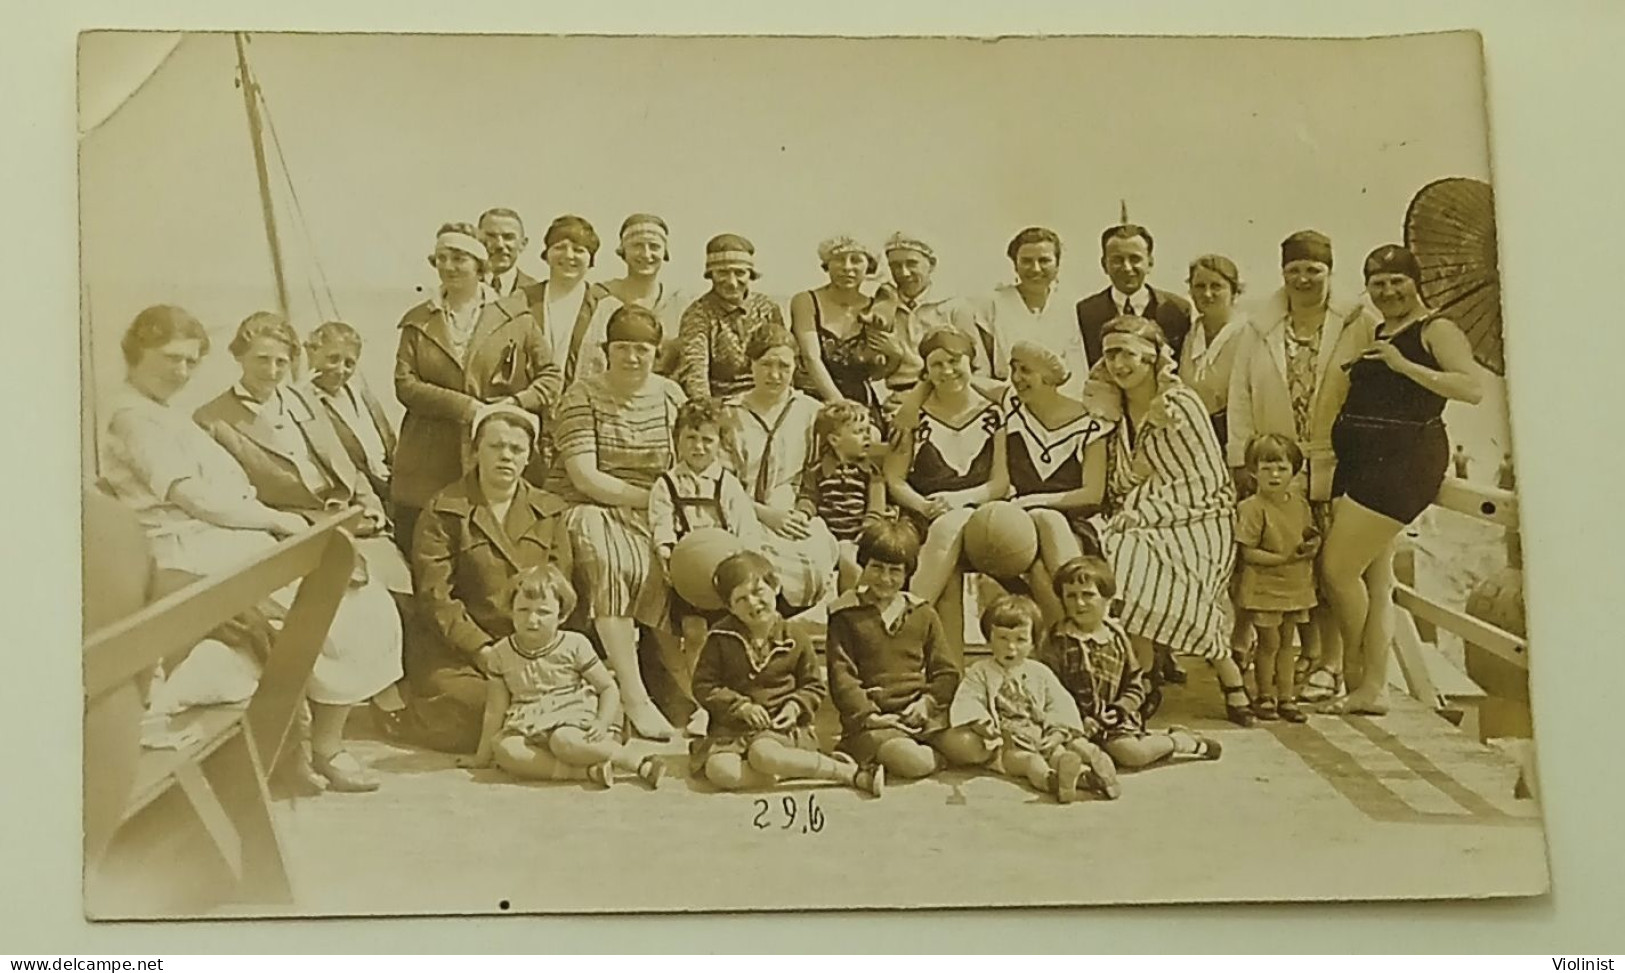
column 1334, row 385
column 662, row 515
column 547, row 378
column 1461, row 379
column 240, row 513
column 694, row 350
column 425, row 397
column 609, row 692
column 812, row 353
column 434, row 564
column 603, row 488
column 896, row 471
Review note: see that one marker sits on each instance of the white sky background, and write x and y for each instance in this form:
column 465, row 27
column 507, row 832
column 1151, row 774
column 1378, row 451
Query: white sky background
column 1222, row 145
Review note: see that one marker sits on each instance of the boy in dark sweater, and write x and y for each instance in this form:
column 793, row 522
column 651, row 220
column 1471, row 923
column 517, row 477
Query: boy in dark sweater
column 892, row 670
column 760, row 684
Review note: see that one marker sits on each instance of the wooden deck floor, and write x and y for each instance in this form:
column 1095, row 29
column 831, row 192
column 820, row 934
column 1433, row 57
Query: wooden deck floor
column 1341, row 808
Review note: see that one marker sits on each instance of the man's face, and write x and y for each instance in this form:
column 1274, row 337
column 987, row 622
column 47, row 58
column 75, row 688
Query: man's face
column 910, row 271
column 504, row 237
column 1126, row 261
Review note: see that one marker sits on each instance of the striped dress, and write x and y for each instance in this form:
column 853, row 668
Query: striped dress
column 772, row 451
column 628, row 437
column 1167, row 529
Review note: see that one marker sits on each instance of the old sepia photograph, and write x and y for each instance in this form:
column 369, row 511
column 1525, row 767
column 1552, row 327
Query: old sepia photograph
column 585, row 474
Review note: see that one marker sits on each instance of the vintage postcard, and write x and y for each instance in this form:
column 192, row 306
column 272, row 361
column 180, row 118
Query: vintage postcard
column 549, row 474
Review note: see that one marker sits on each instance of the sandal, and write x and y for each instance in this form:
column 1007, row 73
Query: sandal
column 1321, row 686
column 871, row 780
column 1204, row 747
column 1290, row 712
column 1264, row 707
column 650, row 770
column 1241, row 713
column 344, row 773
column 603, row 774
column 1103, row 770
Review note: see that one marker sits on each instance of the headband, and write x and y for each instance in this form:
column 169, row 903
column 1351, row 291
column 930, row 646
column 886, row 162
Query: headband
column 1139, row 344
column 643, row 229
column 947, row 339
column 902, row 241
column 1306, row 245
column 837, row 245
column 729, row 258
column 456, row 240
column 506, row 410
column 1393, row 259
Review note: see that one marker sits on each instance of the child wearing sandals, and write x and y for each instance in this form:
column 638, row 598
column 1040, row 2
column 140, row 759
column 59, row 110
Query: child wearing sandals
column 761, row 684
column 892, row 670
column 1095, row 661
column 1278, row 541
column 843, row 485
column 1025, row 718
column 552, row 710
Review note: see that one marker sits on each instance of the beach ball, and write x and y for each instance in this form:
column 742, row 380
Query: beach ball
column 1000, row 540
column 693, row 560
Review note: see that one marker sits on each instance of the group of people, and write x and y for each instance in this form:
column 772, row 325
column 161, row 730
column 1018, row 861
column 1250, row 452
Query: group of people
column 514, row 600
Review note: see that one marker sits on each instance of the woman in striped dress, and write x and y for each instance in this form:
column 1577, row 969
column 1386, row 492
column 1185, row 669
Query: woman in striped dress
column 612, row 440
column 1169, row 505
column 771, row 428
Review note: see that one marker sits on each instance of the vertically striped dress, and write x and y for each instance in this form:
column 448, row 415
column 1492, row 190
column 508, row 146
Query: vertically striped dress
column 1167, row 528
column 629, row 437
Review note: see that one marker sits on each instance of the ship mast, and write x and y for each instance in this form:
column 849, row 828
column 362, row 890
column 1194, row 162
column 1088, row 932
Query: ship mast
column 251, row 97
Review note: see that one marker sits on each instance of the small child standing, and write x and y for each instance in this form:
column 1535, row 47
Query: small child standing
column 1026, row 719
column 843, row 485
column 761, row 686
column 892, row 669
column 552, row 710
column 1278, row 540
column 1095, row 661
column 699, row 491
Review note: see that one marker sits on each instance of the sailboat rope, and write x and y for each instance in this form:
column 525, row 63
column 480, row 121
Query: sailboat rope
column 299, row 213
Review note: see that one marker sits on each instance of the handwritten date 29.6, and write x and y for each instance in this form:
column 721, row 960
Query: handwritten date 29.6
column 787, row 814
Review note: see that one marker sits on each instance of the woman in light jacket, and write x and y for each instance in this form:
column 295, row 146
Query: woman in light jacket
column 1278, row 374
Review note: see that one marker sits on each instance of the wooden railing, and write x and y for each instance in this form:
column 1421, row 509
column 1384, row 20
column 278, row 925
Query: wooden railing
column 1483, row 503
column 139, row 801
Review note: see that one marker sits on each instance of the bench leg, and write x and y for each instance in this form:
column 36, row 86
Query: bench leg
column 239, row 782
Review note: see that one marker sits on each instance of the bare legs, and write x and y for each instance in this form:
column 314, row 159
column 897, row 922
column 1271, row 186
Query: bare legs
column 1357, row 575
column 939, row 555
column 620, row 640
column 766, row 761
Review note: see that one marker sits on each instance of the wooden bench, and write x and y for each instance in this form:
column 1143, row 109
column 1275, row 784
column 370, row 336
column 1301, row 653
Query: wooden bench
column 170, row 832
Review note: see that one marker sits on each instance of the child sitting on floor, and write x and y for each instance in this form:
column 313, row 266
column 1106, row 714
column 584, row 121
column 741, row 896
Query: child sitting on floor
column 843, row 485
column 761, row 686
column 892, row 669
column 552, row 709
column 1278, row 541
column 1093, row 658
column 1026, row 720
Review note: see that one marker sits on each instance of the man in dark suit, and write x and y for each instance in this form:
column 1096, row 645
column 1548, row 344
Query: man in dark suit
column 1127, row 256
column 503, row 233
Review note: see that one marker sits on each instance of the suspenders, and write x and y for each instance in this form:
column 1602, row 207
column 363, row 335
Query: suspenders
column 680, row 505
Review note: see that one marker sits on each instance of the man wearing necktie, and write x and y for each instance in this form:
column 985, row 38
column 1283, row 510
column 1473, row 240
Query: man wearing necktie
column 503, row 233
column 1127, row 256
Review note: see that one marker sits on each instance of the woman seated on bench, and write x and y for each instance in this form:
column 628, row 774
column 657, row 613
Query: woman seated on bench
column 203, row 516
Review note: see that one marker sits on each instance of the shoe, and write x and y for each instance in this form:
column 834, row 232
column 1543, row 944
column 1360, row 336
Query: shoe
column 650, row 770
column 1172, row 673
column 1104, row 771
column 344, row 773
column 602, row 774
column 1240, row 713
column 294, row 777
column 647, row 722
column 1290, row 712
column 1321, row 686
column 871, row 780
column 1068, row 771
column 1265, row 709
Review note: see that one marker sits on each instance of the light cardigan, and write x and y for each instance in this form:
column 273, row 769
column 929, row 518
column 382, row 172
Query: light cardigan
column 1260, row 401
column 1205, row 367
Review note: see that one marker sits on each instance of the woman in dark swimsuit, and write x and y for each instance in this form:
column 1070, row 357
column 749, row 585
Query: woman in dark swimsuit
column 840, row 356
column 1380, row 414
column 947, row 458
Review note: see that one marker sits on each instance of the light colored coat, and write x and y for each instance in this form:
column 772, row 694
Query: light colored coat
column 1260, row 401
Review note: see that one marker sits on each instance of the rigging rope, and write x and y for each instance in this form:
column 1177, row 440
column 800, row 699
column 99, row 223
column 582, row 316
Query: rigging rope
column 299, row 211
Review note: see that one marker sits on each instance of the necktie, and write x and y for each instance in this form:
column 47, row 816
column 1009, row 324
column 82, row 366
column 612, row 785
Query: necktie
column 1128, row 307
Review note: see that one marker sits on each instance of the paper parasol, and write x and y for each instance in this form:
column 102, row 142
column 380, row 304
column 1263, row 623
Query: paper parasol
column 1450, row 226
